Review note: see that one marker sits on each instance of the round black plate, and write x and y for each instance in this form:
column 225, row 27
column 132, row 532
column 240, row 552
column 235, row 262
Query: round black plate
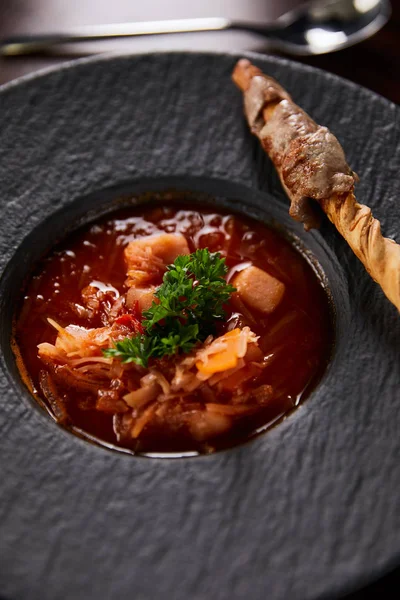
column 307, row 511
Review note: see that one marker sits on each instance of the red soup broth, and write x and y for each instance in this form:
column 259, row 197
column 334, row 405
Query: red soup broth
column 295, row 339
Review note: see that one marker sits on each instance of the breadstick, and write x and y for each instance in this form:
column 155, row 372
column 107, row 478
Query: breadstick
column 312, row 168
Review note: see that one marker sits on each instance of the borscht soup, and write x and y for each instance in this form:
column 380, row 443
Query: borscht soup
column 168, row 328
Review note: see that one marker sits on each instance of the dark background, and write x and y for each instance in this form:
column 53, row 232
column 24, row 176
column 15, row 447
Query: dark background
column 374, row 63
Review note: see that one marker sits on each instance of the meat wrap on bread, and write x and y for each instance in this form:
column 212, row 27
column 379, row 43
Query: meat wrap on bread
column 312, row 168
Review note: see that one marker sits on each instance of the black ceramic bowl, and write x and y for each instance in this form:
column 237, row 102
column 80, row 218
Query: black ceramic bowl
column 308, row 510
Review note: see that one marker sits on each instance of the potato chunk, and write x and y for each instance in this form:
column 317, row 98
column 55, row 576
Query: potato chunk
column 165, row 246
column 146, row 258
column 140, row 297
column 258, row 289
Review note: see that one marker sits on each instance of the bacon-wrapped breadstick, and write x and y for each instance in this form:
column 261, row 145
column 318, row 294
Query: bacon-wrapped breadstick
column 312, row 167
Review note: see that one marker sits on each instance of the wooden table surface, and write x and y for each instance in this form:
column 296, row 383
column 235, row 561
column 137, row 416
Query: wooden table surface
column 374, row 63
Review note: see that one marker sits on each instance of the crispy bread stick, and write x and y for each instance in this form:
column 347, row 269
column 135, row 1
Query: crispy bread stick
column 312, row 167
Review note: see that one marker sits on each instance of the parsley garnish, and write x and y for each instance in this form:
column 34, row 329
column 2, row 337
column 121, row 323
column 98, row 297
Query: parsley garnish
column 190, row 300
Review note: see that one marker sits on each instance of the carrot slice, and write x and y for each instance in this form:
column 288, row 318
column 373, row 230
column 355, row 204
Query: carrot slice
column 228, row 350
column 142, row 421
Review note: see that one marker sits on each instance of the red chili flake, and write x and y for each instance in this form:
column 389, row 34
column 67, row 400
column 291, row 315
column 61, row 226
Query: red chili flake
column 124, row 320
column 137, row 311
column 139, row 327
column 130, row 321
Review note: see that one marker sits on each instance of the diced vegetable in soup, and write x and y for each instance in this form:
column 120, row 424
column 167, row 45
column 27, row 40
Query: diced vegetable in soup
column 168, row 329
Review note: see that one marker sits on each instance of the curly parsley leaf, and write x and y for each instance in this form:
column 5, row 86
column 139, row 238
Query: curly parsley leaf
column 137, row 349
column 193, row 289
column 189, row 302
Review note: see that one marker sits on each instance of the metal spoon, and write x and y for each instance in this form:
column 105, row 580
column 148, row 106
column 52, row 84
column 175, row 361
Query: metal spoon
column 317, row 27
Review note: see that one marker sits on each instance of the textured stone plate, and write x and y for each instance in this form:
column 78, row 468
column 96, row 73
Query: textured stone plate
column 309, row 510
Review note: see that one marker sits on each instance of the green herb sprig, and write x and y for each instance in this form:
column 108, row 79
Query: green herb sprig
column 190, row 301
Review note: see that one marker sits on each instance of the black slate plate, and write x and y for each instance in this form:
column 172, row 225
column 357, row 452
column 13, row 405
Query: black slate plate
column 309, row 510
